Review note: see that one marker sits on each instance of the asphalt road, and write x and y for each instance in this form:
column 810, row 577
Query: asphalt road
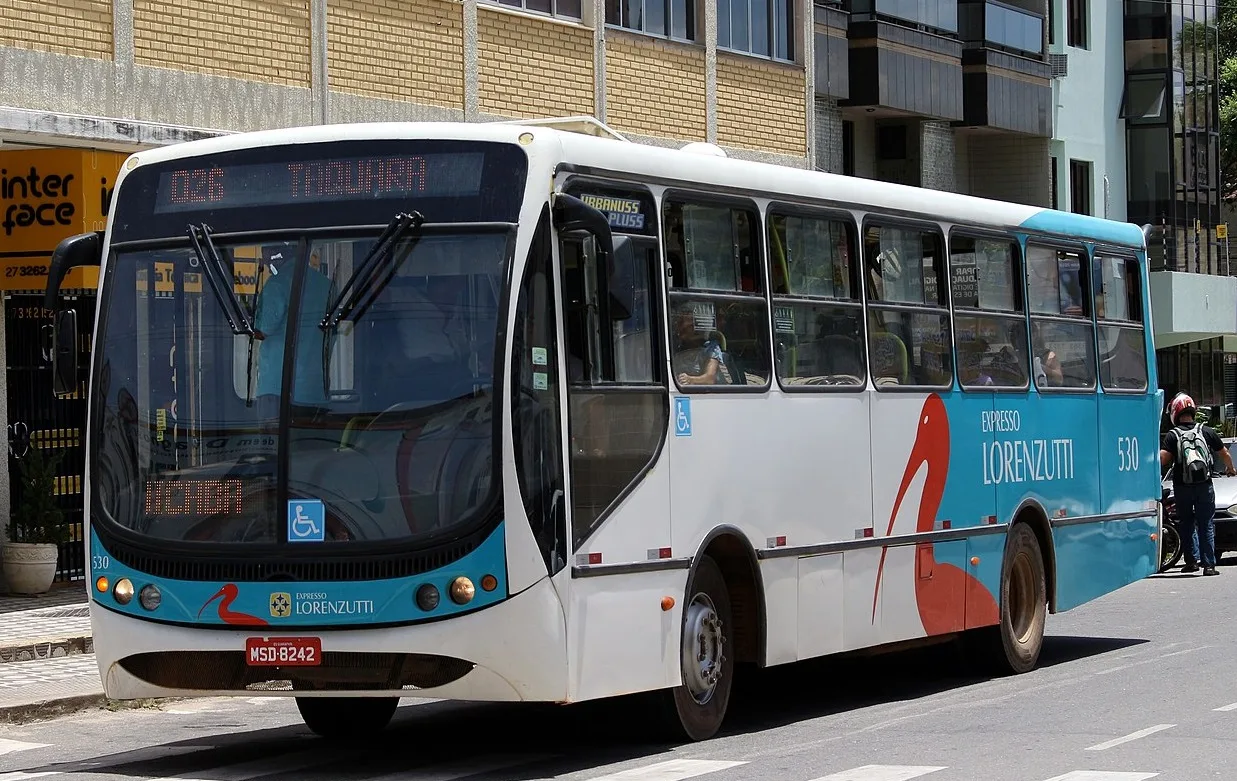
column 1133, row 686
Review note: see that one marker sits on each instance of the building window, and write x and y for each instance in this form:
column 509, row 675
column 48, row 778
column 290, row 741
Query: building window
column 761, row 27
column 1080, row 186
column 569, row 9
column 1052, row 21
column 1145, row 101
column 1054, row 178
column 669, row 18
column 1078, row 21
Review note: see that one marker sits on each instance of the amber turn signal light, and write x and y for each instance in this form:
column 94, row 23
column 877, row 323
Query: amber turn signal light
column 489, row 583
column 101, row 584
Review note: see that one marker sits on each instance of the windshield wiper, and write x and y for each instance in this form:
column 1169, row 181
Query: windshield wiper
column 361, row 284
column 213, row 264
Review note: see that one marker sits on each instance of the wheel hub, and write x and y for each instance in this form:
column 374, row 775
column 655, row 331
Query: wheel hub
column 703, row 648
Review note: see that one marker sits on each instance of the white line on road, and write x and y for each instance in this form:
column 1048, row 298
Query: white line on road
column 882, row 773
column 1142, row 733
column 13, row 746
column 1226, row 708
column 1102, row 775
column 673, row 770
column 21, row 775
column 1119, row 668
column 450, row 771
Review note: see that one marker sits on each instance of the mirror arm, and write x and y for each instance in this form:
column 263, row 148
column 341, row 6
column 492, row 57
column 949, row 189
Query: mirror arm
column 83, row 249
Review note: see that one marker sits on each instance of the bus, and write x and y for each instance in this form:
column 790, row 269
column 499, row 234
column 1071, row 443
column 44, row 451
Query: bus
column 527, row 411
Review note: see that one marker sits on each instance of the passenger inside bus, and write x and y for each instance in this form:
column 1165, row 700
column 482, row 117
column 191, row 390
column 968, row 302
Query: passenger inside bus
column 699, row 359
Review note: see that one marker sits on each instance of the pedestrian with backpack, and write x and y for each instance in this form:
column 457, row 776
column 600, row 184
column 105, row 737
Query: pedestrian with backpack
column 1190, row 449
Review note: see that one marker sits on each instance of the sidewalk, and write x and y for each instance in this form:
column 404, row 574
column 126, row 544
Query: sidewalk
column 47, row 663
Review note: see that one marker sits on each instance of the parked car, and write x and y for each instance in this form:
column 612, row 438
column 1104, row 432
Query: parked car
column 1172, row 547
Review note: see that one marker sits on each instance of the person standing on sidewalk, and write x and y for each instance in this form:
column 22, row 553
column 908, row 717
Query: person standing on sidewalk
column 1190, row 448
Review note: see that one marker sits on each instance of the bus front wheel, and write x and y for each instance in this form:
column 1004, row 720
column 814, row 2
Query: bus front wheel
column 346, row 717
column 695, row 709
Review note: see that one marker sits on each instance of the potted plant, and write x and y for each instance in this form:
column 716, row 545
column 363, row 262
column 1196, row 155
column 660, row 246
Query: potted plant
column 36, row 528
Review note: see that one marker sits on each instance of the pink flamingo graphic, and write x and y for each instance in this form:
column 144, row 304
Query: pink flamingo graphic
column 229, row 593
column 937, row 597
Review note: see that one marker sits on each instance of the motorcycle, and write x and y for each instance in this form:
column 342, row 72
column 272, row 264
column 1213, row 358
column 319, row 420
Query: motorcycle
column 1171, row 548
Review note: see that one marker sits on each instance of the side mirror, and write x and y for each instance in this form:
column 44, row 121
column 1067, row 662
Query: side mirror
column 84, row 249
column 64, row 354
column 572, row 214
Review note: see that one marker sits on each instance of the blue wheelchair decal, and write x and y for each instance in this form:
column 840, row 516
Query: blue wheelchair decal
column 306, row 520
column 682, row 416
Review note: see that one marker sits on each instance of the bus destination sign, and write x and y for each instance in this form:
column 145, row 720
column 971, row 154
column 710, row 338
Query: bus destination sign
column 197, row 187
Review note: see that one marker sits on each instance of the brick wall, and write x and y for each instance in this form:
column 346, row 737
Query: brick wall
column 1010, row 168
column 259, row 40
column 399, row 50
column 761, row 105
column 828, row 136
column 78, row 27
column 938, row 158
column 655, row 88
column 530, row 67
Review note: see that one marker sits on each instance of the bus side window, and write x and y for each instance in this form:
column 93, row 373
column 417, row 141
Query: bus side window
column 1118, row 306
column 1062, row 338
column 990, row 327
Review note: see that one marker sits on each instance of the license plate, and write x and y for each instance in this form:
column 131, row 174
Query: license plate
column 283, row 651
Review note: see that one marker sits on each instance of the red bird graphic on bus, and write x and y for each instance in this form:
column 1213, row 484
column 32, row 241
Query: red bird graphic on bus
column 226, row 596
column 950, row 598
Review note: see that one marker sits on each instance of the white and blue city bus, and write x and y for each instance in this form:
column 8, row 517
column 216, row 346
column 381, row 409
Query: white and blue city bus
column 529, row 412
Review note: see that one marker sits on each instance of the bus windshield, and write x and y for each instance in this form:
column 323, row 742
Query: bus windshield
column 378, row 428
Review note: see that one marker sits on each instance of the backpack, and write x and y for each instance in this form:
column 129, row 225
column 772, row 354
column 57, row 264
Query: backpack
column 1194, row 455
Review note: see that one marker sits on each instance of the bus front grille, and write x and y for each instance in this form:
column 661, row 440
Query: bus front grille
column 228, row 671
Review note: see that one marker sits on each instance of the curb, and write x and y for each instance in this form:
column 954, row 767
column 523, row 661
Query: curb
column 42, row 649
column 57, row 707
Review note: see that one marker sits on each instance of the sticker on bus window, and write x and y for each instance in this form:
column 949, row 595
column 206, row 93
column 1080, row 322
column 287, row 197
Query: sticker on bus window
column 306, row 520
column 541, row 381
column 540, row 356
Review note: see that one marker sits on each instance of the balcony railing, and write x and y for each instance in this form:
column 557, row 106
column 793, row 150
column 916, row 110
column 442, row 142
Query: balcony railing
column 939, row 15
column 998, row 26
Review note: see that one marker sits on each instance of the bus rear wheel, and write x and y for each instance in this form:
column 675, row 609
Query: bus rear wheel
column 1013, row 646
column 695, row 709
column 346, row 717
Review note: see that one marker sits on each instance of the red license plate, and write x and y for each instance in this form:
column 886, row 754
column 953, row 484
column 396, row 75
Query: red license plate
column 283, row 651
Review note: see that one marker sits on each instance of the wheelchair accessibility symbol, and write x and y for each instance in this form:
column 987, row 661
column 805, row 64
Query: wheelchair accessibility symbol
column 306, row 520
column 682, row 416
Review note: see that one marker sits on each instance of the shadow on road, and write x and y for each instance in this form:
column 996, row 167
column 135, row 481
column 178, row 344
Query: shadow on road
column 575, row 737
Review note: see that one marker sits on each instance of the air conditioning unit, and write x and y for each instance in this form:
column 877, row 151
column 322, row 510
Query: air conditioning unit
column 1059, row 63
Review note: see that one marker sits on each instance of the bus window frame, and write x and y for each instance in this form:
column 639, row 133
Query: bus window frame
column 1123, row 253
column 1082, row 248
column 775, row 208
column 879, row 220
column 968, row 231
column 703, row 197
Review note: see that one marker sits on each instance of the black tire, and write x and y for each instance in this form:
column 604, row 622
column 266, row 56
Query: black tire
column 695, row 709
column 347, row 717
column 1170, row 547
column 1013, row 646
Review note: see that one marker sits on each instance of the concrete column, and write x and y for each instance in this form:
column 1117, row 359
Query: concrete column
column 710, row 70
column 123, row 57
column 472, row 79
column 806, row 43
column 320, row 72
column 599, row 58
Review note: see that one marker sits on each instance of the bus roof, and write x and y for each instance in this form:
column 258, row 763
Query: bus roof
column 596, row 148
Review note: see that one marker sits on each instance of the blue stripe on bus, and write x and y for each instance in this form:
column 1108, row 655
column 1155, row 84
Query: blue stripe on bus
column 276, row 605
column 1085, row 227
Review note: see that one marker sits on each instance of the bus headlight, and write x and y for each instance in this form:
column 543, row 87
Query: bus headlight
column 462, row 590
column 427, row 597
column 123, row 592
column 150, row 596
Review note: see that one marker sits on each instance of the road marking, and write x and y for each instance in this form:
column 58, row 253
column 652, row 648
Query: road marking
column 1119, row 668
column 450, row 771
column 1102, row 775
column 673, row 770
column 1142, row 733
column 21, row 775
column 13, row 746
column 1226, row 708
column 882, row 773
column 286, row 763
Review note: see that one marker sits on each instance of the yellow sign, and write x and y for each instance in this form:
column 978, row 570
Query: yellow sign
column 47, row 195
column 1222, row 230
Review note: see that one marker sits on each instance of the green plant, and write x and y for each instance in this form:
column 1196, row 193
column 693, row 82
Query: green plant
column 37, row 519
